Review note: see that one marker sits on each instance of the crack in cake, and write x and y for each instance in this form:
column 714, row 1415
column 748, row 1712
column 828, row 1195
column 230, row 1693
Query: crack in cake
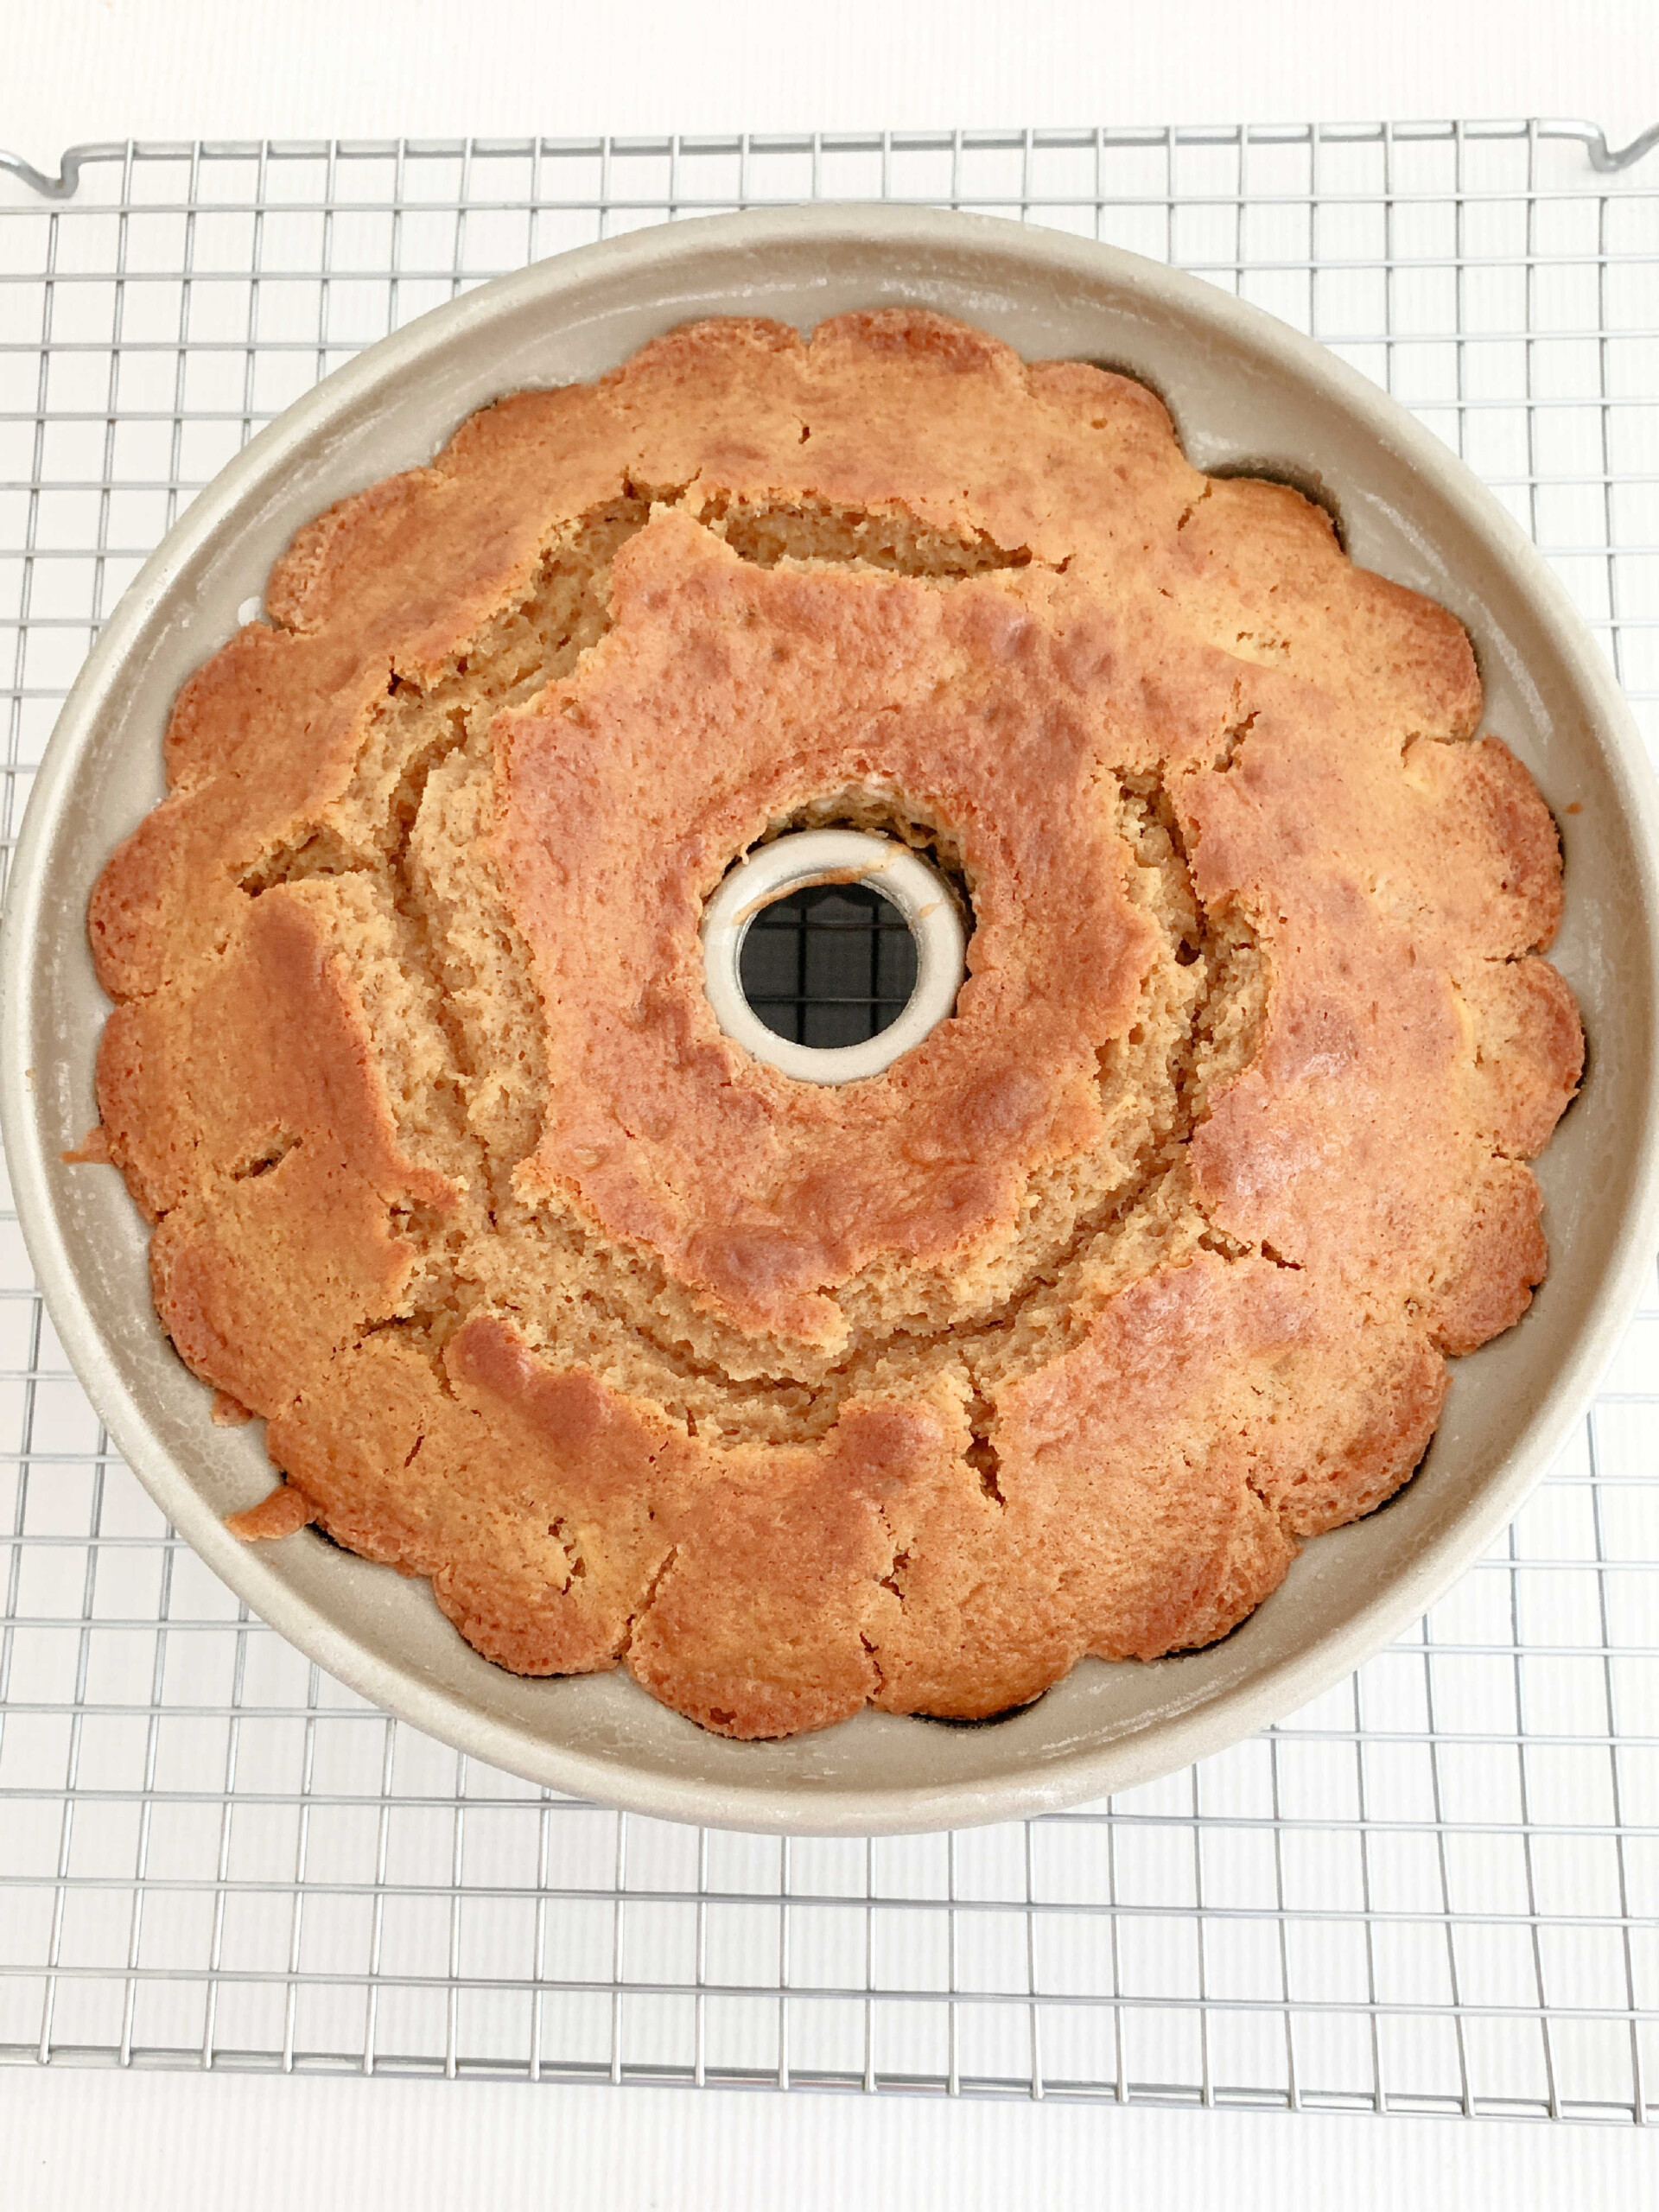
column 1055, row 1339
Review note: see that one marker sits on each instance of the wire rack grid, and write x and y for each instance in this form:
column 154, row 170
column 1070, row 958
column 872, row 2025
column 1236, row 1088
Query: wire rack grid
column 1436, row 1890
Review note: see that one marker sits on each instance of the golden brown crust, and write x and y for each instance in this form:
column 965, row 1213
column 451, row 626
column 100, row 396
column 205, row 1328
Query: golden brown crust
column 757, row 1190
column 1055, row 1340
column 284, row 1511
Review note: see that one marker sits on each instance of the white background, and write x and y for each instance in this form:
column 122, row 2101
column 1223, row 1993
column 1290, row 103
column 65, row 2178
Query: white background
column 77, row 70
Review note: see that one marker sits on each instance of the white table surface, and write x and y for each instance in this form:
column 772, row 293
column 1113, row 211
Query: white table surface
column 79, row 70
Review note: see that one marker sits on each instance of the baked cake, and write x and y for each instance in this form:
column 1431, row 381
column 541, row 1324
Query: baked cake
column 1058, row 1337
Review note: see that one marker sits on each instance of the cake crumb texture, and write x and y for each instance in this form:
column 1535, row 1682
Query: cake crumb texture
column 1059, row 1338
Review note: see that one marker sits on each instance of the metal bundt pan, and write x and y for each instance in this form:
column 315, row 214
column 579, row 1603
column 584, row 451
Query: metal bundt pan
column 1247, row 395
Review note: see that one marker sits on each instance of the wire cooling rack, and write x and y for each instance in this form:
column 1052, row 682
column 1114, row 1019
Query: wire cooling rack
column 1435, row 1889
column 829, row 966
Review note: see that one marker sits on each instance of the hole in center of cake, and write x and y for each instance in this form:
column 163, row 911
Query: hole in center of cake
column 829, row 953
column 828, row 965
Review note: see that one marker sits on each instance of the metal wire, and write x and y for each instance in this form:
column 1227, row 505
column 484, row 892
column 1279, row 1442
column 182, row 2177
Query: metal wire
column 829, row 966
column 1435, row 1889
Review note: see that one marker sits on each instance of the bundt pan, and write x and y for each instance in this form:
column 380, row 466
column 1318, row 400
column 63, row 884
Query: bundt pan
column 1248, row 395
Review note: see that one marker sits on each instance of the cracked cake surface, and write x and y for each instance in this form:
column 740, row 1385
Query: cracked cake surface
column 1058, row 1337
